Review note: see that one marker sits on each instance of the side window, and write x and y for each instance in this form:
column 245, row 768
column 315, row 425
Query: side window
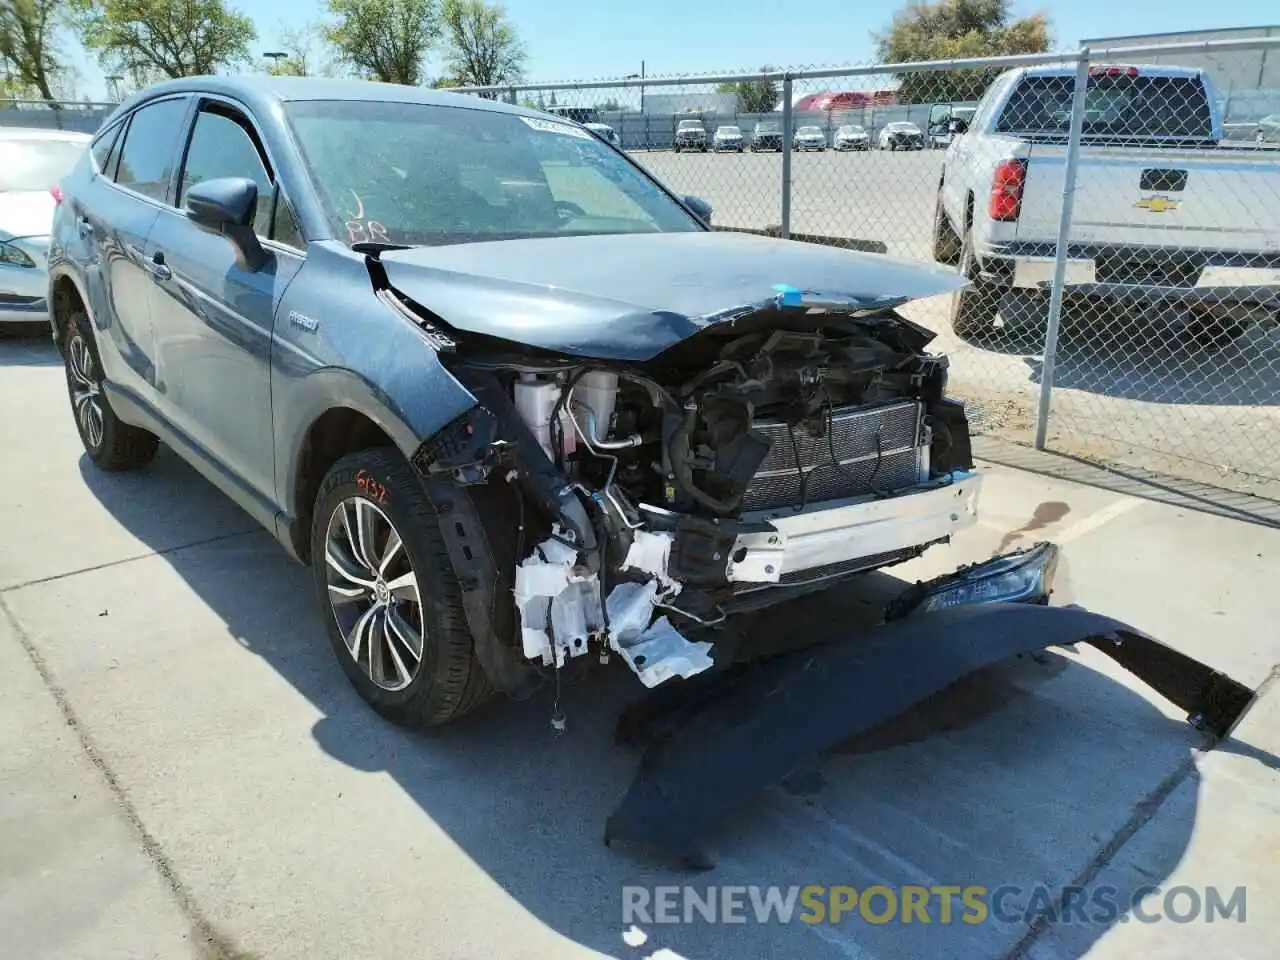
column 150, row 148
column 223, row 147
column 284, row 226
column 112, row 164
column 103, row 146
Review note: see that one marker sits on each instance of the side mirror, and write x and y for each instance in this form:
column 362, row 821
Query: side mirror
column 226, row 207
column 701, row 209
column 958, row 126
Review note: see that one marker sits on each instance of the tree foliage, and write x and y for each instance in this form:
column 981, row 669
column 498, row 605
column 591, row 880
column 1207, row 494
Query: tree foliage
column 28, row 42
column 956, row 29
column 754, row 96
column 481, row 46
column 385, row 40
column 308, row 54
column 150, row 39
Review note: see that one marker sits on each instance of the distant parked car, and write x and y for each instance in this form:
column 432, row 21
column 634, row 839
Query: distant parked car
column 901, row 135
column 809, row 138
column 691, row 135
column 1268, row 129
column 852, row 137
column 605, row 133
column 728, row 138
column 767, row 136
column 32, row 161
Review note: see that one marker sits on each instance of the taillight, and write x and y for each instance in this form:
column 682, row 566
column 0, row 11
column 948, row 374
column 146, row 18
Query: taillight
column 1130, row 72
column 1006, row 190
column 56, row 192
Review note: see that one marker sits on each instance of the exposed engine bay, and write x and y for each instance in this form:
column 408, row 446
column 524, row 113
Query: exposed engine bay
column 766, row 456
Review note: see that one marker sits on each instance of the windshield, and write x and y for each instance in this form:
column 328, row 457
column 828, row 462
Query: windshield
column 768, row 126
column 690, row 125
column 421, row 174
column 1118, row 106
column 730, row 131
column 851, row 129
column 808, row 131
column 36, row 164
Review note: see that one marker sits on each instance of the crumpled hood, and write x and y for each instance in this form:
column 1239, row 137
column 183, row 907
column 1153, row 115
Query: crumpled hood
column 632, row 296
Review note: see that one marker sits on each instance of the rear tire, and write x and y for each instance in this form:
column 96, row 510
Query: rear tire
column 973, row 311
column 946, row 245
column 407, row 596
column 110, row 443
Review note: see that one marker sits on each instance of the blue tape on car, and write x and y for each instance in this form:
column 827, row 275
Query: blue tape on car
column 787, row 296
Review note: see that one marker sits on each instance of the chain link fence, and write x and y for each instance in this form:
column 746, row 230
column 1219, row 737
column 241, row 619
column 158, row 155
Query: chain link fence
column 1123, row 243
column 85, row 117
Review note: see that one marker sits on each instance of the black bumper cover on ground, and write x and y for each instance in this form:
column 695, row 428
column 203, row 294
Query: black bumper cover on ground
column 713, row 743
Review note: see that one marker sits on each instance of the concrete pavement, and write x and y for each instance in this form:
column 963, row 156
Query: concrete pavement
column 233, row 797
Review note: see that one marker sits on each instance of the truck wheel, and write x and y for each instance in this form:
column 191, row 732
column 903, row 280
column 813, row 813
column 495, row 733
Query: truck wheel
column 392, row 604
column 109, row 442
column 973, row 311
column 946, row 245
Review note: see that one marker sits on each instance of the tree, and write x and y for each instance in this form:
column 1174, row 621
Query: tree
column 385, row 40
column 481, row 46
column 150, row 39
column 28, row 38
column 306, row 51
column 956, row 29
column 754, row 96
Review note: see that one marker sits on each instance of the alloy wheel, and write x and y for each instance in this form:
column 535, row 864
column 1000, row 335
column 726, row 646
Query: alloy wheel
column 373, row 593
column 86, row 394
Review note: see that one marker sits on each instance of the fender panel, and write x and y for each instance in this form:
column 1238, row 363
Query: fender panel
column 740, row 733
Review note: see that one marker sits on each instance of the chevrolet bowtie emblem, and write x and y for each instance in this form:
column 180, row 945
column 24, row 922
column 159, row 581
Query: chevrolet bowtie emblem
column 1158, row 204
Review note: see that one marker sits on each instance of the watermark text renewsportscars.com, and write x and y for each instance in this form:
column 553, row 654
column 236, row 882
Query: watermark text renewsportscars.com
column 940, row 904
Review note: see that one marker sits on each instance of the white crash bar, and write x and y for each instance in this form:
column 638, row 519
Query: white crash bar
column 830, row 533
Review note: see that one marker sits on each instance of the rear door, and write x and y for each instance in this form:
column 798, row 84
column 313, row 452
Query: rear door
column 212, row 317
column 112, row 209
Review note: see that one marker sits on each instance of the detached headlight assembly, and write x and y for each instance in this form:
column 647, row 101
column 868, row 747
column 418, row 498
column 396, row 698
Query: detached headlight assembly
column 1022, row 577
column 12, row 255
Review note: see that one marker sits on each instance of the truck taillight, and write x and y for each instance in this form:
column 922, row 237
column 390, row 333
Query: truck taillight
column 1006, row 190
column 1130, row 72
column 56, row 192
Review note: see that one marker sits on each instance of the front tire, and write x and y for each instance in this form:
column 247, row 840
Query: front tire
column 110, row 443
column 392, row 603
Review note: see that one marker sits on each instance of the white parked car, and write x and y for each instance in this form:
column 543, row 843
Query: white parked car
column 728, row 137
column 901, row 135
column 809, row 138
column 32, row 161
column 852, row 137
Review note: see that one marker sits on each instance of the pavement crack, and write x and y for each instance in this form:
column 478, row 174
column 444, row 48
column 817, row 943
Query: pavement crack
column 212, row 944
column 177, row 548
column 1142, row 814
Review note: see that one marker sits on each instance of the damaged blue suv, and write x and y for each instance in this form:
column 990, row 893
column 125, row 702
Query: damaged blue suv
column 509, row 397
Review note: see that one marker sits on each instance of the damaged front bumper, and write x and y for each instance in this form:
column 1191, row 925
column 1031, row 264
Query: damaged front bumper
column 717, row 739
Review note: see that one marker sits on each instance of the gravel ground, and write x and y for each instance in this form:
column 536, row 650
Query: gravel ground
column 1128, row 390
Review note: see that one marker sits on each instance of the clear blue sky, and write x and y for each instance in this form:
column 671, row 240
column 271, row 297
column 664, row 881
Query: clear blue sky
column 584, row 39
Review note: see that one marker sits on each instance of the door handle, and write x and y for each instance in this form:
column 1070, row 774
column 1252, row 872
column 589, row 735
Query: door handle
column 158, row 269
column 85, row 226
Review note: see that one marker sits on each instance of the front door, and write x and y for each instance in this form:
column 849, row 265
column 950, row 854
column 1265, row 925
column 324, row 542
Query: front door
column 212, row 317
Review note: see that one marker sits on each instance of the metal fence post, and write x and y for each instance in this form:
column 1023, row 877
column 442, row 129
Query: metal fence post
column 1064, row 235
column 785, row 231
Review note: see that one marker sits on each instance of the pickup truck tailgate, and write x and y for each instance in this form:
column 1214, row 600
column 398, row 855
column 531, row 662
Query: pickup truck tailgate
column 1187, row 199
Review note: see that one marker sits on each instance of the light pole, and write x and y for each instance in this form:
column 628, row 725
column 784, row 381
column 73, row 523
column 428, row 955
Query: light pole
column 638, row 76
column 275, row 56
column 113, row 86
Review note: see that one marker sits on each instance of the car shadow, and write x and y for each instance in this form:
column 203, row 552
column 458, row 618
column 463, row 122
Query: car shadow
column 1018, row 774
column 1141, row 355
column 27, row 345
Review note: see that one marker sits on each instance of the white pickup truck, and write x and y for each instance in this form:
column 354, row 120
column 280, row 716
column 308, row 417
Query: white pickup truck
column 1161, row 209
